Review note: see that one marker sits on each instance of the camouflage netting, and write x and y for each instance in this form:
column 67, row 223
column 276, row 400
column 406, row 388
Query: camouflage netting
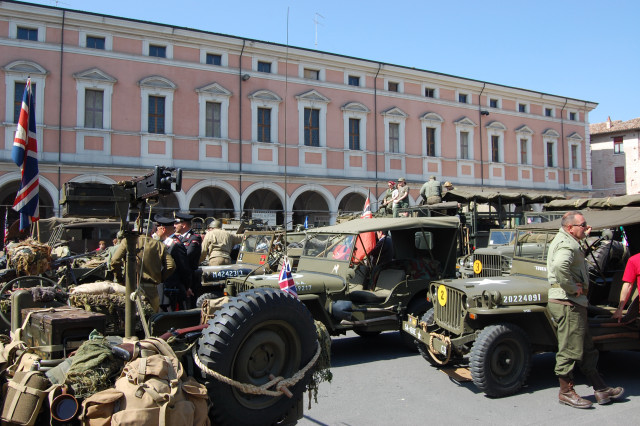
column 29, row 257
column 322, row 369
column 112, row 305
column 94, row 368
column 40, row 294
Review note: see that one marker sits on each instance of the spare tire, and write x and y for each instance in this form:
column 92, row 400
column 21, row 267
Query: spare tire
column 205, row 296
column 259, row 333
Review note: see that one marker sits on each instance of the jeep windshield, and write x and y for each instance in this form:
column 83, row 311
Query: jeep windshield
column 501, row 237
column 330, row 246
column 258, row 243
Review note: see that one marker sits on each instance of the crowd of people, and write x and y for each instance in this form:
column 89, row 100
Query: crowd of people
column 397, row 194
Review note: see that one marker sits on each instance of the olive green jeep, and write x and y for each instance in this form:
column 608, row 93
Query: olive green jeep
column 260, row 252
column 493, row 325
column 346, row 289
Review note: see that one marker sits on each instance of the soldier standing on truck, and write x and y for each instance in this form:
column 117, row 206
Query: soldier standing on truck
column 431, row 191
column 569, row 281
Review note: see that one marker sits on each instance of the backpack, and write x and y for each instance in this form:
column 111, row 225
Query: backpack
column 152, row 390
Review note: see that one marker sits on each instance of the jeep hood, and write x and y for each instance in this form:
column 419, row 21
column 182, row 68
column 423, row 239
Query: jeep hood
column 505, row 285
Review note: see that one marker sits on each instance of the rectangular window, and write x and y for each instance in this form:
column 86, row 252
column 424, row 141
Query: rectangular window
column 431, row 141
column 524, row 151
column 157, row 51
column 574, row 156
column 213, row 120
column 27, row 33
column 619, row 174
column 17, row 98
column 464, row 145
column 573, row 116
column 311, row 127
column 617, row 145
column 264, row 125
column 522, row 107
column 93, row 108
column 394, row 137
column 493, row 103
column 311, row 74
column 354, row 133
column 495, row 148
column 264, row 67
column 548, row 112
column 392, row 86
column 429, row 93
column 354, row 80
column 95, row 42
column 550, row 159
column 213, row 59
column 463, row 98
column 156, row 114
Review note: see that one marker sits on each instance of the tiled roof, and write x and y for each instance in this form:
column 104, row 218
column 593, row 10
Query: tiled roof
column 615, row 127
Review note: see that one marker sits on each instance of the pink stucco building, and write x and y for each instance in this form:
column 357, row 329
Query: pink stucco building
column 117, row 96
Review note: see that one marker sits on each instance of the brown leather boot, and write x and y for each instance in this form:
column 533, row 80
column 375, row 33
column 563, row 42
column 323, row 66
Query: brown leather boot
column 568, row 395
column 604, row 394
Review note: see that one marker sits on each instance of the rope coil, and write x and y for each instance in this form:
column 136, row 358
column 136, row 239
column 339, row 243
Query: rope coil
column 281, row 384
column 432, row 350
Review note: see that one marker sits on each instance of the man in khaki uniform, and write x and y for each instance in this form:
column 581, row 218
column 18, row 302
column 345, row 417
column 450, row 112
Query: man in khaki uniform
column 431, row 191
column 157, row 266
column 217, row 244
column 387, row 201
column 569, row 283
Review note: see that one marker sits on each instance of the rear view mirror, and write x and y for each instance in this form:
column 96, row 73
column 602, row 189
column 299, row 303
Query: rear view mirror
column 424, row 240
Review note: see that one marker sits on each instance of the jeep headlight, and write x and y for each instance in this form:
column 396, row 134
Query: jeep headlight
column 468, row 262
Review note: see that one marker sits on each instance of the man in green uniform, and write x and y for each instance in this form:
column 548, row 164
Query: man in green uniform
column 431, row 191
column 400, row 199
column 157, row 266
column 387, row 201
column 569, row 281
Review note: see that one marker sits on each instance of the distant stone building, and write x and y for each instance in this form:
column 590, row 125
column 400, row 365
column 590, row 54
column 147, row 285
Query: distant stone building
column 614, row 157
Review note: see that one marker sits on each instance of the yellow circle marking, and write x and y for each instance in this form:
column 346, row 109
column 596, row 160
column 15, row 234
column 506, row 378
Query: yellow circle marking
column 442, row 295
column 477, row 266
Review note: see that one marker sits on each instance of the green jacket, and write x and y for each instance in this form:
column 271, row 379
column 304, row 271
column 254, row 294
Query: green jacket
column 566, row 267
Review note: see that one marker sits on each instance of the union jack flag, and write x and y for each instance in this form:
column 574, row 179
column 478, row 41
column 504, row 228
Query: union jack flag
column 366, row 212
column 286, row 280
column 25, row 155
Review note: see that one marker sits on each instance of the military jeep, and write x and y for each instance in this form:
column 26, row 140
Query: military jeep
column 493, row 325
column 492, row 260
column 260, row 252
column 346, row 289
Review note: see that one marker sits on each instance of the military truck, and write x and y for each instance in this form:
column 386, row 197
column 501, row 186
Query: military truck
column 346, row 289
column 493, row 325
column 260, row 252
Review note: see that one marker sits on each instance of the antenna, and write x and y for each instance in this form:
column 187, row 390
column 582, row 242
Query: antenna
column 315, row 21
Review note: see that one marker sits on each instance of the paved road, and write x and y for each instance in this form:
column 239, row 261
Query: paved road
column 378, row 382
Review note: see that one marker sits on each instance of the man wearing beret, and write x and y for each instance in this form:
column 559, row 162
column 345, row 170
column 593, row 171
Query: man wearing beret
column 193, row 243
column 157, row 265
column 387, row 201
column 174, row 291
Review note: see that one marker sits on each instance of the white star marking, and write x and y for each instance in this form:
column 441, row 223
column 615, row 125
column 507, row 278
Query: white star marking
column 487, row 281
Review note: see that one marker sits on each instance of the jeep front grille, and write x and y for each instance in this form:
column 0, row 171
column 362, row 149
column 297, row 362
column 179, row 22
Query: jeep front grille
column 450, row 315
column 491, row 265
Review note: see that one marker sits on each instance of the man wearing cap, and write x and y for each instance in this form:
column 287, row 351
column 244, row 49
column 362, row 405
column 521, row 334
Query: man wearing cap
column 400, row 200
column 157, row 265
column 193, row 243
column 217, row 244
column 431, row 191
column 387, row 201
column 174, row 288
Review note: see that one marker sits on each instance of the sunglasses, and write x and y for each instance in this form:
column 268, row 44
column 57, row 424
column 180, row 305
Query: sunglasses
column 582, row 225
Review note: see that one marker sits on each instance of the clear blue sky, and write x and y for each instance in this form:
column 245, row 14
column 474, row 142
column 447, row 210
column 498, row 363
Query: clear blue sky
column 584, row 49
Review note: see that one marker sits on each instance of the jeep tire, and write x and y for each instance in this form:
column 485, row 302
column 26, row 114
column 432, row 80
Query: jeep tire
column 205, row 296
column 418, row 306
column 500, row 360
column 259, row 333
column 436, row 359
